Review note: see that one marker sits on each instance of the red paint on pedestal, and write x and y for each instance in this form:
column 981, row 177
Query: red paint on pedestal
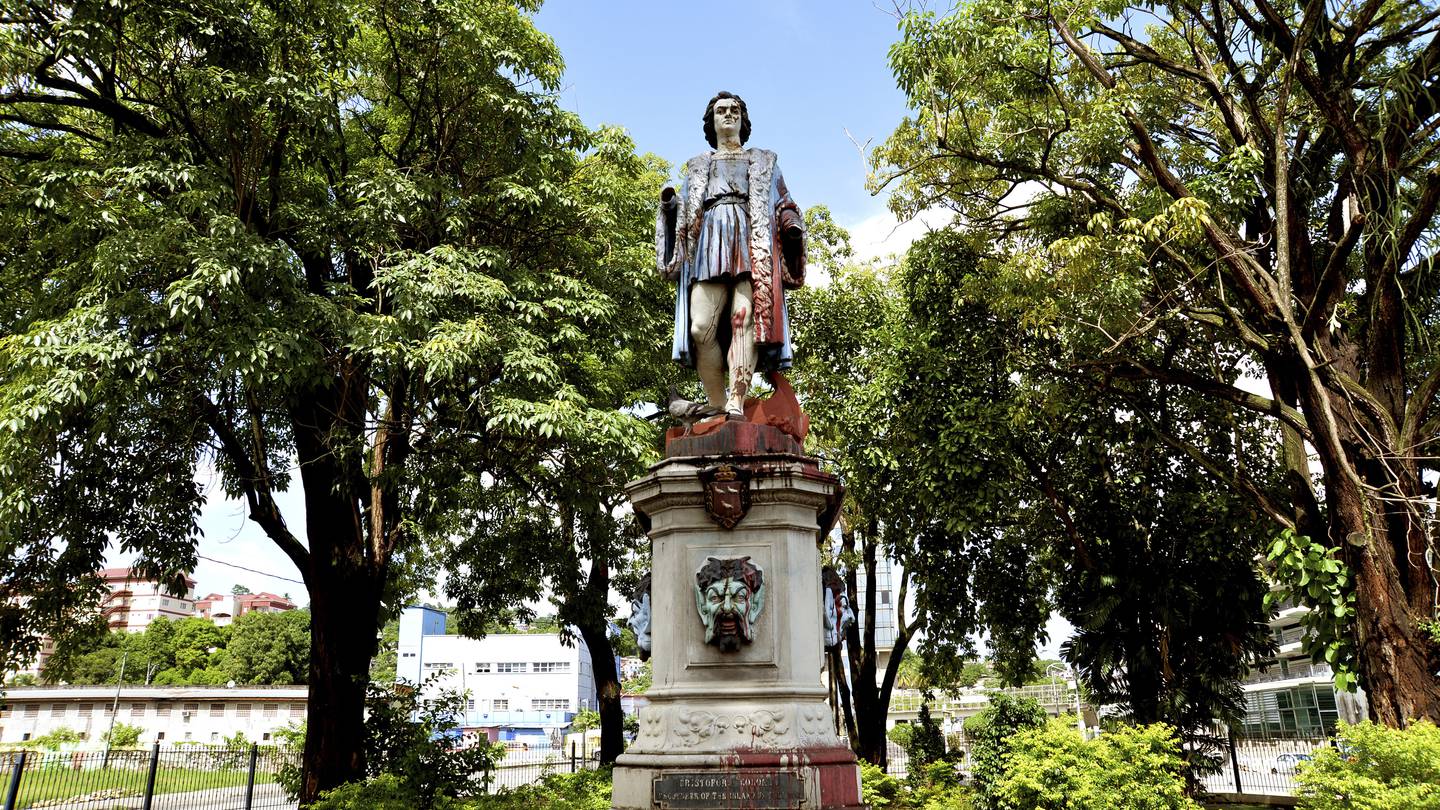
column 835, row 768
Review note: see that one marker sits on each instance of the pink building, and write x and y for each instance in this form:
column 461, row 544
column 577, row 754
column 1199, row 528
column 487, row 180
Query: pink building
column 135, row 602
column 223, row 609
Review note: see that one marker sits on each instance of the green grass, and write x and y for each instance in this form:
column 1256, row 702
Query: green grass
column 48, row 784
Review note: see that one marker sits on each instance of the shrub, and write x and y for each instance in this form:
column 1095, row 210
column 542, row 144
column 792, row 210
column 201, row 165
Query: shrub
column 582, row 790
column 879, row 789
column 1129, row 768
column 384, row 792
column 123, row 735
column 58, row 737
column 991, row 733
column 416, row 740
column 900, row 734
column 1375, row 768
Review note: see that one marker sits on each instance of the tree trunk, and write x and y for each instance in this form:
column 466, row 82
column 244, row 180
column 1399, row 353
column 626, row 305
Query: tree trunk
column 607, row 689
column 344, row 617
column 1366, row 495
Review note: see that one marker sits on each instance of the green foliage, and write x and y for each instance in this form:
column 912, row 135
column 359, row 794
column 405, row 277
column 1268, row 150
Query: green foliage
column 582, row 790
column 971, row 673
column 383, row 792
column 270, row 648
column 879, row 789
column 123, row 735
column 585, row 719
column 992, row 733
column 387, row 658
column 1312, row 575
column 1373, row 767
column 58, row 737
column 1119, row 167
column 1127, row 768
column 289, row 776
column 417, row 741
column 641, row 683
column 357, row 249
column 901, row 734
column 927, row 741
column 933, row 787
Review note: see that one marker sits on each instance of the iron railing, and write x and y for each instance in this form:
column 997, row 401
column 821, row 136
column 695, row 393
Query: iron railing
column 178, row 778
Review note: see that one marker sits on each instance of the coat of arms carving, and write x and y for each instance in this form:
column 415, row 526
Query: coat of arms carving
column 727, row 494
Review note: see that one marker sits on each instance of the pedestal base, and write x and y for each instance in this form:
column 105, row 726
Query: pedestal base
column 818, row 778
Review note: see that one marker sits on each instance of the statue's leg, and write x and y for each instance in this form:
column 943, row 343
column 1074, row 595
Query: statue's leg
column 742, row 346
column 707, row 307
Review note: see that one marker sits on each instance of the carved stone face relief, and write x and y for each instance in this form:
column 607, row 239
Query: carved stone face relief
column 639, row 620
column 729, row 595
column 838, row 614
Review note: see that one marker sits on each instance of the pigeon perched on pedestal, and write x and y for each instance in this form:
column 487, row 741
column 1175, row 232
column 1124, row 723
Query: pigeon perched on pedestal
column 689, row 412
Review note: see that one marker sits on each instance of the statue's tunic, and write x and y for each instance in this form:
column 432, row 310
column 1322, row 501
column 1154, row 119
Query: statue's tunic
column 728, row 226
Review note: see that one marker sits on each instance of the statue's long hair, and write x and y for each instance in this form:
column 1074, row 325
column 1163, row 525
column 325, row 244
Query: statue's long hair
column 710, row 136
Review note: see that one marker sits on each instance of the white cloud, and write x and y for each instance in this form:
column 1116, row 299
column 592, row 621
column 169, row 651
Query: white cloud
column 883, row 237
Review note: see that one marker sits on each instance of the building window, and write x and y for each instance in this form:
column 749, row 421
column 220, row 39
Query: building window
column 482, row 668
column 86, row 708
column 407, row 655
column 242, row 709
column 297, row 709
column 265, row 737
column 470, row 705
column 57, row 710
column 550, row 705
column 32, row 710
column 500, row 705
column 162, row 709
column 159, row 735
column 269, row 710
column 552, row 666
column 510, row 666
column 189, row 734
column 214, row 736
column 439, row 665
column 217, row 709
column 137, row 709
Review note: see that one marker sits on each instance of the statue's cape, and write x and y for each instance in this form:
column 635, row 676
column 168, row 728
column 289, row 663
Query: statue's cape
column 768, row 197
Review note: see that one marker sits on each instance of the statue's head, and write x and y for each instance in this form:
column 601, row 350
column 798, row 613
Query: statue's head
column 639, row 620
column 729, row 594
column 836, row 602
column 728, row 103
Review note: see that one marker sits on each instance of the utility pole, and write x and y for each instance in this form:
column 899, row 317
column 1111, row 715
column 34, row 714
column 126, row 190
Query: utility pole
column 115, row 708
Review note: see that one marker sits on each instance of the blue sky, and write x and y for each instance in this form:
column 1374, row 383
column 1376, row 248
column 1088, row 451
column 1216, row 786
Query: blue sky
column 808, row 71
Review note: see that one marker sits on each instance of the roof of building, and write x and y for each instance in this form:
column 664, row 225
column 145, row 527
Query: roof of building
column 132, row 693
column 126, row 574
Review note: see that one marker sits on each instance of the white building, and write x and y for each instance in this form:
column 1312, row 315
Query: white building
column 1288, row 696
column 167, row 714
column 521, row 688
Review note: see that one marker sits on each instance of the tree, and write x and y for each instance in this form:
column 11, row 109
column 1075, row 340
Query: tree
column 847, row 335
column 1256, row 178
column 1047, row 490
column 927, row 741
column 239, row 590
column 270, row 648
column 361, row 242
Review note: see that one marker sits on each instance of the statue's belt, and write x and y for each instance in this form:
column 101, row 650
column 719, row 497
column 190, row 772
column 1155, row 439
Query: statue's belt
column 729, row 198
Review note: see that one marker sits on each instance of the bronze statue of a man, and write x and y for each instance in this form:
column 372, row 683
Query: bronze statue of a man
column 734, row 241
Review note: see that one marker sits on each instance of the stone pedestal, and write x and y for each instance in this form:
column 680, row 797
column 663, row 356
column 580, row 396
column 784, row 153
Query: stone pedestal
column 747, row 728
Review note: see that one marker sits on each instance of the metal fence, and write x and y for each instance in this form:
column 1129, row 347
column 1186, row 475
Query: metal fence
column 1263, row 767
column 518, row 768
column 179, row 778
